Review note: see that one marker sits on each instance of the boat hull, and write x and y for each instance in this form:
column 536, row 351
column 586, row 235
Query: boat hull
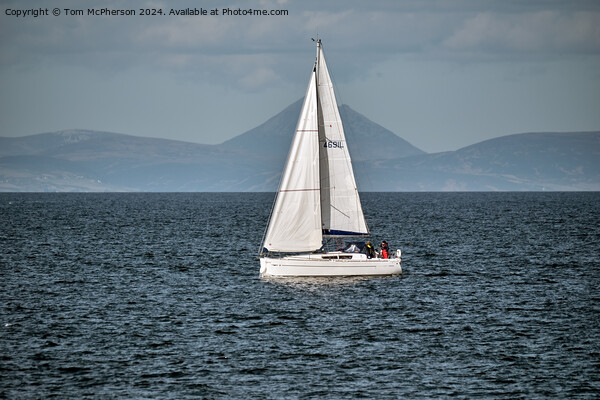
column 328, row 265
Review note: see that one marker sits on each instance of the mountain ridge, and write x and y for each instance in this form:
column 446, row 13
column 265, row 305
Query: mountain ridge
column 533, row 161
column 84, row 160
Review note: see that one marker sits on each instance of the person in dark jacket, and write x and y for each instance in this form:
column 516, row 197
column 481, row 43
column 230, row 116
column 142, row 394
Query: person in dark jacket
column 370, row 250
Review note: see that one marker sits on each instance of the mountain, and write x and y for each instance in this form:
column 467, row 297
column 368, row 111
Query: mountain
column 528, row 161
column 80, row 160
column 365, row 138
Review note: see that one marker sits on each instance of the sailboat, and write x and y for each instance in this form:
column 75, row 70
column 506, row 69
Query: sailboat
column 318, row 203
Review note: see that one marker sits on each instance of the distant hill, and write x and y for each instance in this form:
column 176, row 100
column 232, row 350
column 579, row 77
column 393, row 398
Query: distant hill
column 80, row 160
column 104, row 161
column 528, row 161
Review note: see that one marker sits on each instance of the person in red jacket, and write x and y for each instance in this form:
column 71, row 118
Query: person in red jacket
column 385, row 250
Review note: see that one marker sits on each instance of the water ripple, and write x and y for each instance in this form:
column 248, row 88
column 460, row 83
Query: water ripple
column 158, row 296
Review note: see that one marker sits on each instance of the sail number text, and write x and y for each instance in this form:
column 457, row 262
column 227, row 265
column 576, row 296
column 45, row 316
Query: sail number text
column 333, row 145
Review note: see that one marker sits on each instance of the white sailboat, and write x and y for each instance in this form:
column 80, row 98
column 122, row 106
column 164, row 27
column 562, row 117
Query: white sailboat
column 318, row 199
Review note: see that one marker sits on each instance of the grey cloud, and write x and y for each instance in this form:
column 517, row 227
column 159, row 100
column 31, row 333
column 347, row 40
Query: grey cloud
column 543, row 32
column 255, row 52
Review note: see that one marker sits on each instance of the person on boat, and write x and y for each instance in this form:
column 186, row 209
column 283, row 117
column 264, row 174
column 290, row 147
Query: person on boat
column 385, row 250
column 370, row 250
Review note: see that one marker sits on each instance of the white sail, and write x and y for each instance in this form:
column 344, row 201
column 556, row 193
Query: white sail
column 318, row 197
column 341, row 210
column 295, row 224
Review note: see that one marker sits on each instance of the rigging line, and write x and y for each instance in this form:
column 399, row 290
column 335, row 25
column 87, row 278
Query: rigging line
column 340, row 211
column 326, row 138
column 264, row 236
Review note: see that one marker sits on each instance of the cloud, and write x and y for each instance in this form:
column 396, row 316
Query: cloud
column 244, row 51
column 543, row 32
column 259, row 78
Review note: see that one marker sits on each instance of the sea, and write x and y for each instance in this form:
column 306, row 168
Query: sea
column 158, row 296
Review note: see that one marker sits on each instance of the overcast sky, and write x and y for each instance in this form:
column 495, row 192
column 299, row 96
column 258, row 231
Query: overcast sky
column 440, row 74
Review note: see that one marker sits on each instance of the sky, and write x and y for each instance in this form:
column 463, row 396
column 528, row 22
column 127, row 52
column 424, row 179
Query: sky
column 440, row 74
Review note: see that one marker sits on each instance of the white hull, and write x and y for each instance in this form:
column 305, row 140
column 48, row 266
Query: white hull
column 328, row 264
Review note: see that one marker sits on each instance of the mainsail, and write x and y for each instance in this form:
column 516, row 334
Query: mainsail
column 318, row 194
column 295, row 224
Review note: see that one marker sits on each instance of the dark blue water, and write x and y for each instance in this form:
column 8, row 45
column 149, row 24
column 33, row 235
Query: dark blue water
column 157, row 296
